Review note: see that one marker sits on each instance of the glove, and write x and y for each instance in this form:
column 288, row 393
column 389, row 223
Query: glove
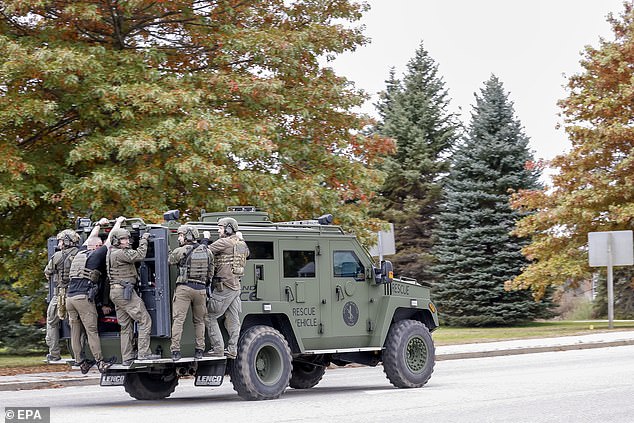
column 145, row 236
column 206, row 235
column 103, row 221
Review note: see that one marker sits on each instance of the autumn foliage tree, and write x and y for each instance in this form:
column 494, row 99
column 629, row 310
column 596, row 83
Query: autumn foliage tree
column 134, row 107
column 593, row 189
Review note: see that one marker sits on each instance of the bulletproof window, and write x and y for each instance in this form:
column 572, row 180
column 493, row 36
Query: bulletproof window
column 260, row 250
column 299, row 264
column 346, row 264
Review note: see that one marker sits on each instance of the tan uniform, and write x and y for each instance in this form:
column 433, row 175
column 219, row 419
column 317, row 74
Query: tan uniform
column 58, row 267
column 225, row 299
column 121, row 272
column 82, row 312
column 190, row 291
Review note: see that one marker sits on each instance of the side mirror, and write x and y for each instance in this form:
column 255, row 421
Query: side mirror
column 385, row 274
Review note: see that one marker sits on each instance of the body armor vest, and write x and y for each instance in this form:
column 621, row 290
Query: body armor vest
column 78, row 268
column 63, row 265
column 125, row 272
column 238, row 259
column 196, row 267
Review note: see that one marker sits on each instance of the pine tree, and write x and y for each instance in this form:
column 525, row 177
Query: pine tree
column 476, row 253
column 414, row 113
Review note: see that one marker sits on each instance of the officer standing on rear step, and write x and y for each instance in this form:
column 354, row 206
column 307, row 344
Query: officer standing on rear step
column 195, row 271
column 57, row 271
column 87, row 273
column 230, row 255
column 128, row 305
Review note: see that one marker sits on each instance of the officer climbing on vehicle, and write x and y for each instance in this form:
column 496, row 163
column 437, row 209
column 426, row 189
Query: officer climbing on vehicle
column 57, row 272
column 230, row 255
column 129, row 307
column 195, row 271
column 87, row 273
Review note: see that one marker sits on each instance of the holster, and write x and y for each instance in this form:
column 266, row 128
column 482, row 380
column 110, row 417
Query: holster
column 210, row 289
column 216, row 284
column 92, row 293
column 127, row 290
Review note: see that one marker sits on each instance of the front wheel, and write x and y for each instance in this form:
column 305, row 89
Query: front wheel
column 150, row 386
column 262, row 368
column 409, row 355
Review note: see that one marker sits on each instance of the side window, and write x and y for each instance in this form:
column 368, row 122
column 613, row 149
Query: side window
column 346, row 264
column 299, row 264
column 260, row 250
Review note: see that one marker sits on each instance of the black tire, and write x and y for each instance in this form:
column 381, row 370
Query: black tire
column 262, row 369
column 409, row 354
column 150, row 386
column 306, row 375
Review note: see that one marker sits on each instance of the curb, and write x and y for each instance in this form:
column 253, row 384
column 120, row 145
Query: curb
column 532, row 350
column 50, row 383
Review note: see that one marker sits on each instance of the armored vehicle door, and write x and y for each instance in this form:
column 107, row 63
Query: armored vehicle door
column 301, row 270
column 349, row 294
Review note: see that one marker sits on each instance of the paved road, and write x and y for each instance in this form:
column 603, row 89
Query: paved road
column 591, row 385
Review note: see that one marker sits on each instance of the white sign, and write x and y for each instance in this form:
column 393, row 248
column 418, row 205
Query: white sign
column 610, row 249
column 617, row 244
column 385, row 245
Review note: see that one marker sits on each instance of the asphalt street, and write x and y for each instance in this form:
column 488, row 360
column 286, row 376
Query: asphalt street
column 582, row 385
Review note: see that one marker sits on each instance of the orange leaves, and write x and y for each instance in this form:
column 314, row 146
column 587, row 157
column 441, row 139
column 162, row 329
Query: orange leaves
column 593, row 190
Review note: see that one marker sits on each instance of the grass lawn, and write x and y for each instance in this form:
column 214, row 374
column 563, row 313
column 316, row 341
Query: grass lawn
column 10, row 360
column 456, row 335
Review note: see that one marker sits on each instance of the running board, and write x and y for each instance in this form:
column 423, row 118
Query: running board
column 342, row 350
column 138, row 364
column 69, row 361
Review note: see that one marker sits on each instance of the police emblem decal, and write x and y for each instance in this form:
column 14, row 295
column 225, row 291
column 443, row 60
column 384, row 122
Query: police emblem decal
column 350, row 313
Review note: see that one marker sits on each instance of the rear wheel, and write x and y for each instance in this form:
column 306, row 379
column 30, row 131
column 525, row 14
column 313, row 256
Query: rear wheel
column 409, row 355
column 150, row 386
column 262, row 368
column 307, row 374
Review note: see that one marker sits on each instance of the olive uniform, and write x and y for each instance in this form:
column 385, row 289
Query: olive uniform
column 230, row 254
column 57, row 270
column 128, row 305
column 196, row 269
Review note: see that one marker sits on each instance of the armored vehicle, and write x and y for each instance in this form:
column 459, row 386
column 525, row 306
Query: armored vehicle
column 311, row 296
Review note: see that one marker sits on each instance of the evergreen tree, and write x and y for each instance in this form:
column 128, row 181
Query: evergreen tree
column 414, row 113
column 476, row 252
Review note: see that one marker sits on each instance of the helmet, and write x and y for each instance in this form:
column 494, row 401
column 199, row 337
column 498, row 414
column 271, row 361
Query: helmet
column 229, row 222
column 69, row 237
column 190, row 232
column 117, row 234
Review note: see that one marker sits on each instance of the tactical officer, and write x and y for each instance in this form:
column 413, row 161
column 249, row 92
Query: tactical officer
column 128, row 305
column 230, row 254
column 57, row 272
column 195, row 271
column 86, row 274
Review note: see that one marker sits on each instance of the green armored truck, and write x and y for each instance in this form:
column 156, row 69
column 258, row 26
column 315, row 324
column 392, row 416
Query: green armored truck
column 311, row 296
